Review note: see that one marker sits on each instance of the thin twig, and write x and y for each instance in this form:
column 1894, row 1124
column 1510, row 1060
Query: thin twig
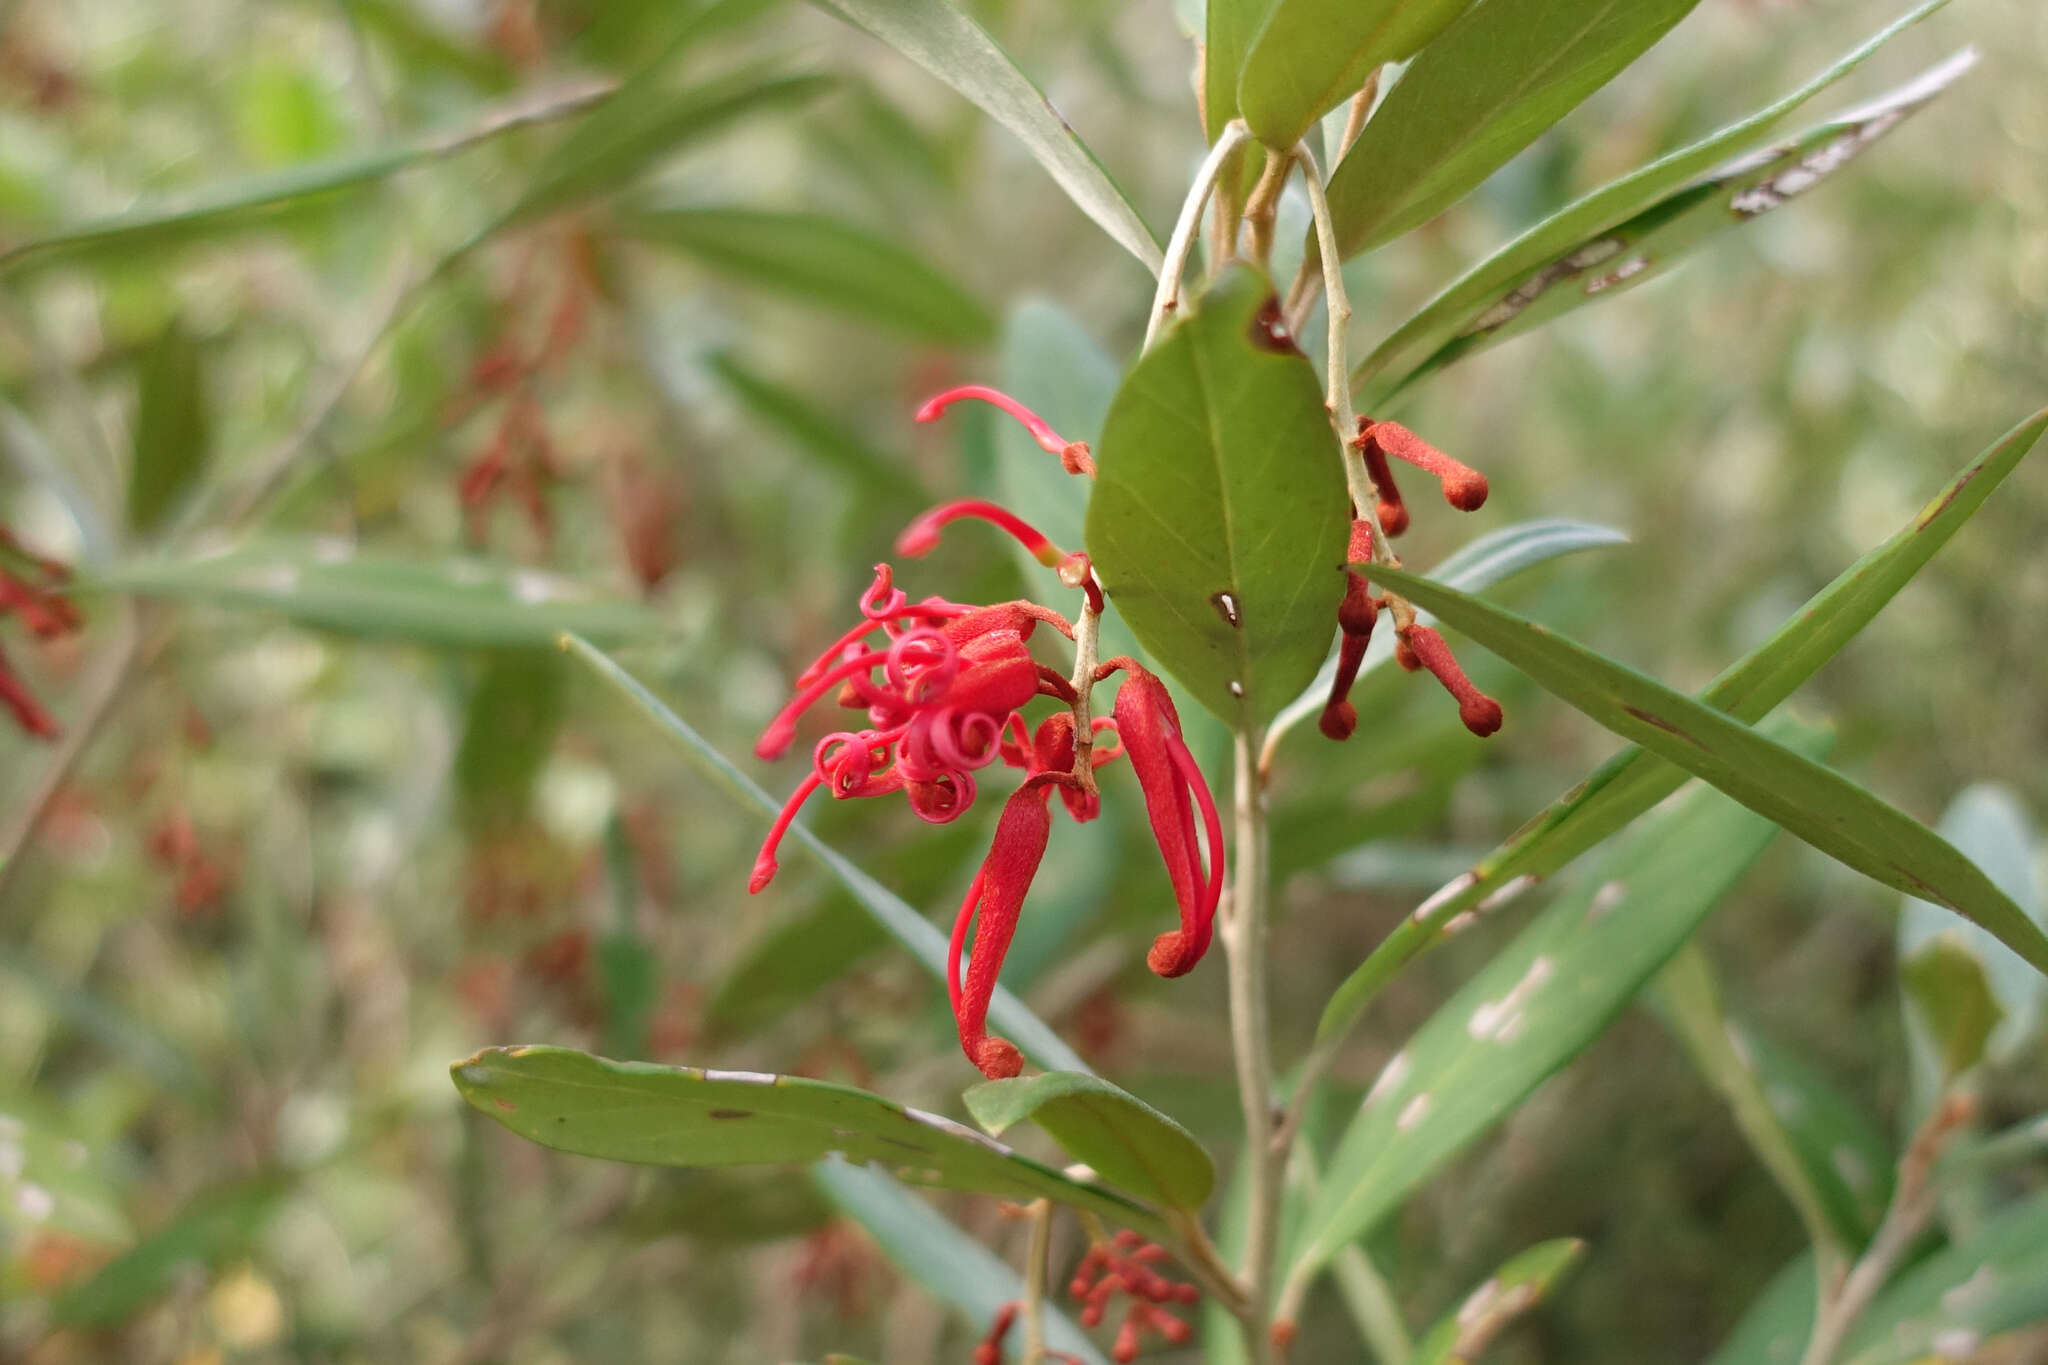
column 1904, row 1220
column 1263, row 207
column 1034, row 1282
column 1166, row 298
column 1244, row 941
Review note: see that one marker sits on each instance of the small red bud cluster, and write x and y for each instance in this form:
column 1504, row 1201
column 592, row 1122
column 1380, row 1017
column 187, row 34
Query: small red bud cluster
column 201, row 881
column 1123, row 1265
column 34, row 595
column 1418, row 647
column 990, row 1349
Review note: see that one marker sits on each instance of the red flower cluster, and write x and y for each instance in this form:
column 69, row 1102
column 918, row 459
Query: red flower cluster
column 989, row 1351
column 1419, row 646
column 34, row 594
column 943, row 689
column 1123, row 1265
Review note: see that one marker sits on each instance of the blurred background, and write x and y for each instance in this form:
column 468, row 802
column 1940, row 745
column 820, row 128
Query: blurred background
column 315, row 851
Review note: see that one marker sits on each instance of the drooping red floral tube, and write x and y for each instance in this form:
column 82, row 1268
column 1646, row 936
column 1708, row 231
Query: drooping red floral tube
column 994, row 902
column 1175, row 791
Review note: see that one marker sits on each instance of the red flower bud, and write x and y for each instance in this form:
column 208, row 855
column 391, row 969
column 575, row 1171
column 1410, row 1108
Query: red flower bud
column 1464, row 487
column 992, row 906
column 1481, row 713
column 1174, row 791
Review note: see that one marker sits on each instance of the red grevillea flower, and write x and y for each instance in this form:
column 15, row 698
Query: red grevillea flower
column 1464, row 488
column 1174, row 794
column 40, row 607
column 944, row 686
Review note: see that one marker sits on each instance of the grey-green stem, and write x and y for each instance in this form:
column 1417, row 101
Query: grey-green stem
column 1244, row 943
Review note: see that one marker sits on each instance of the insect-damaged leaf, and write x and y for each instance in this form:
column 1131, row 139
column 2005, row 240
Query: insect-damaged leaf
column 1521, row 289
column 1509, row 1292
column 1819, row 805
column 682, row 1116
column 1633, row 781
column 1534, row 1007
column 1481, row 92
column 1125, row 1140
column 1219, row 519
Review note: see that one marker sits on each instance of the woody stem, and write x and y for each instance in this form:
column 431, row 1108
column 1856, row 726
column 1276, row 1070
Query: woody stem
column 1244, row 941
column 1087, row 631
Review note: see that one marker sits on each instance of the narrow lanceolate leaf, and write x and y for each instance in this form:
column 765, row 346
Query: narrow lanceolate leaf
column 1123, row 1139
column 455, row 604
column 929, row 946
column 824, row 261
column 1480, row 93
column 1533, row 1008
column 645, row 124
column 1524, row 1282
column 1493, row 558
column 948, row 1264
column 1822, row 807
column 819, row 434
column 215, row 1227
column 954, row 48
column 172, row 428
column 1609, row 261
column 508, row 728
column 1310, row 55
column 1633, row 781
column 1219, row 519
column 247, row 201
column 682, row 1116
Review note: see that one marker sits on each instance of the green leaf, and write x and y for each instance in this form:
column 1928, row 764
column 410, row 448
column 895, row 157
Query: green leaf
column 628, row 976
column 1633, row 781
column 826, row 262
column 1779, row 1320
column 1825, row 809
column 1513, row 1290
column 1533, row 1008
column 510, row 725
column 646, row 123
column 214, row 210
column 1688, row 998
column 1950, row 999
column 1990, row 826
column 1310, row 55
column 1007, row 1015
column 952, row 1266
column 1481, row 92
column 1219, row 518
column 1493, row 558
column 328, row 586
column 681, row 1116
column 1849, row 1163
column 1125, row 1140
column 951, row 46
column 215, row 1227
column 1229, row 29
column 172, row 428
column 1523, row 287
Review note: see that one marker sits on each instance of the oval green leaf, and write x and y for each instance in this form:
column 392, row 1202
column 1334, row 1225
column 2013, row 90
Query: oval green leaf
column 453, row 604
column 1125, row 1140
column 1633, row 781
column 1819, row 805
column 682, row 1116
column 826, row 262
column 1310, row 55
column 1533, row 1008
column 1219, row 518
column 1490, row 83
column 951, row 46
